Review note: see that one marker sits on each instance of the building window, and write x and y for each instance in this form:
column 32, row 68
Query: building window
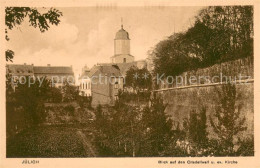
column 124, row 60
column 116, row 97
column 116, row 85
column 88, row 85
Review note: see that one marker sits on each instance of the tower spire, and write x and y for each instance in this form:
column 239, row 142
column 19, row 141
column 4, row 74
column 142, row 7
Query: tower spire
column 122, row 23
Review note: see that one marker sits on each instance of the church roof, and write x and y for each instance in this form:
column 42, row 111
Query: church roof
column 124, row 67
column 108, row 70
column 122, row 34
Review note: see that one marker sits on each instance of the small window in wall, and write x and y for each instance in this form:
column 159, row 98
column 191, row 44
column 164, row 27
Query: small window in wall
column 124, row 60
column 116, row 97
column 89, row 85
column 116, row 85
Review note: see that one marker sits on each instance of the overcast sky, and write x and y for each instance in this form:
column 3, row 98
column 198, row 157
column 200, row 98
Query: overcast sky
column 86, row 35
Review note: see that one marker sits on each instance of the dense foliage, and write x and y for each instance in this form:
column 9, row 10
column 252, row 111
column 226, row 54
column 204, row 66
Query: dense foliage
column 30, row 98
column 46, row 142
column 219, row 34
column 228, row 122
column 130, row 130
column 14, row 16
column 196, row 127
column 138, row 79
column 26, row 104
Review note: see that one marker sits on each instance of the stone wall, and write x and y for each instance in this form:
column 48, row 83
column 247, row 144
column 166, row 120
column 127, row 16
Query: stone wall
column 182, row 100
column 233, row 70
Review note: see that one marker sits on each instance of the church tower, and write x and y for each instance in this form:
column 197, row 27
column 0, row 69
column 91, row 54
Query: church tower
column 122, row 47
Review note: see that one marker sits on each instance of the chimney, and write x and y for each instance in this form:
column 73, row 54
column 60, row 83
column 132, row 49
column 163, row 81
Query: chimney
column 48, row 65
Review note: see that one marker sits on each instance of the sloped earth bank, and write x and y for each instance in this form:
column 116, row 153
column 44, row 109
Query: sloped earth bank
column 52, row 141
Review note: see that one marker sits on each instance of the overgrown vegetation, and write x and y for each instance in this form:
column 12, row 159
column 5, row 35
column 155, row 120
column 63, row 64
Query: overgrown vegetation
column 127, row 130
column 26, row 104
column 138, row 79
column 228, row 123
column 196, row 129
column 219, row 34
column 46, row 142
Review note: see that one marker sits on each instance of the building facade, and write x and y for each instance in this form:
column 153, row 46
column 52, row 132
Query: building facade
column 85, row 82
column 58, row 75
column 102, row 83
column 106, row 93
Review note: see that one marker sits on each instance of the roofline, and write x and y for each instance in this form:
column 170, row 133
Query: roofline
column 122, row 39
column 121, row 54
column 52, row 73
column 54, row 66
column 20, row 64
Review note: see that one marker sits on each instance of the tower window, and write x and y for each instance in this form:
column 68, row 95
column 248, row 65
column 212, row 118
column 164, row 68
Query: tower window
column 124, row 60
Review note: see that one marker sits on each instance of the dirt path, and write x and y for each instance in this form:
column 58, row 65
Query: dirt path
column 87, row 145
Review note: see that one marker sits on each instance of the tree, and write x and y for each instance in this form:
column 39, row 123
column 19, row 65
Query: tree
column 231, row 34
column 31, row 98
column 172, row 56
column 138, row 79
column 138, row 83
column 70, row 92
column 55, row 95
column 119, row 130
column 84, row 101
column 228, row 123
column 196, row 132
column 157, row 130
column 14, row 16
column 100, row 118
column 219, row 34
column 196, row 127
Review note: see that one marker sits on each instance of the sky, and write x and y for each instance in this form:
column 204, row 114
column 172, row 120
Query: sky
column 86, row 35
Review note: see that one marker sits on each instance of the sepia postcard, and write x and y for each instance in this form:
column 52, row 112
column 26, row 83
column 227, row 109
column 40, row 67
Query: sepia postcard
column 130, row 84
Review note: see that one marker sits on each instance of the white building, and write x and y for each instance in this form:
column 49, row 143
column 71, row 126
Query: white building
column 85, row 82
